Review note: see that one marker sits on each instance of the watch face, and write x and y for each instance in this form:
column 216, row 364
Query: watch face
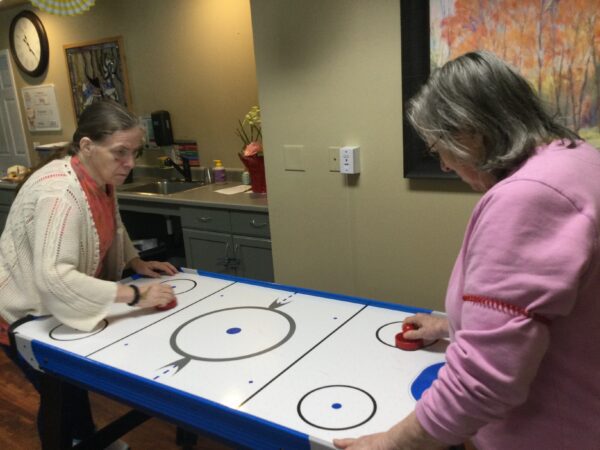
column 29, row 43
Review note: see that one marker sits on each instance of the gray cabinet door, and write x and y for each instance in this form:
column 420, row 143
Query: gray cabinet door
column 206, row 250
column 253, row 258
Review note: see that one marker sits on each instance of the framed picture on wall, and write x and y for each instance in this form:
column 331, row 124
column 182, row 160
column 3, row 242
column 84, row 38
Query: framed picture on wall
column 415, row 71
column 97, row 70
column 552, row 44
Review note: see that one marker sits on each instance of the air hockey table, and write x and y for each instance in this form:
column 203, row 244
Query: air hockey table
column 258, row 365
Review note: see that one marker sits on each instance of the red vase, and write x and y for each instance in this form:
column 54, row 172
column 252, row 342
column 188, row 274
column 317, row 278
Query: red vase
column 256, row 167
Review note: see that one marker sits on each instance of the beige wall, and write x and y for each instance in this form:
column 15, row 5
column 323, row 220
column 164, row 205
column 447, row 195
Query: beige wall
column 193, row 58
column 329, row 74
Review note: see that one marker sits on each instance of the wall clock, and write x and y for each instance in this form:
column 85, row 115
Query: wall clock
column 29, row 43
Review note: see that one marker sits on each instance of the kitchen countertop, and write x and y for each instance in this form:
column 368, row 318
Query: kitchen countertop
column 7, row 185
column 203, row 196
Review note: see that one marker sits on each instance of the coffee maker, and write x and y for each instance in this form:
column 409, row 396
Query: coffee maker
column 161, row 125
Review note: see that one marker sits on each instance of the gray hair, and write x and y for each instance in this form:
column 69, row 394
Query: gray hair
column 97, row 121
column 477, row 94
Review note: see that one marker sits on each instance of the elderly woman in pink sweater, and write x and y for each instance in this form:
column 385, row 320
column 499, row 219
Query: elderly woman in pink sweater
column 523, row 302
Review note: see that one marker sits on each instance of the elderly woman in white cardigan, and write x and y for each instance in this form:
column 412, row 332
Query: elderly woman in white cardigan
column 64, row 245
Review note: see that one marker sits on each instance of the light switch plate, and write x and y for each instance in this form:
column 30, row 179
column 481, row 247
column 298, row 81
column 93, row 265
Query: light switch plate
column 294, row 158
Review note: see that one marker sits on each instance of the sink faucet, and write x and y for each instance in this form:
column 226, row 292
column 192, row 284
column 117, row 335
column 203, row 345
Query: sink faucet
column 186, row 171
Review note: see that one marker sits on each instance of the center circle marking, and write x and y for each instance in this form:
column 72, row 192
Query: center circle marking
column 195, row 339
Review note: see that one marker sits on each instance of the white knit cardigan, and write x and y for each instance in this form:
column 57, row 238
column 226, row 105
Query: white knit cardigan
column 49, row 252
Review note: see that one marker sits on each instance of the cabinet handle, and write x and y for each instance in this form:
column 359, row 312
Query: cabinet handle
column 203, row 219
column 256, row 224
column 235, row 261
column 226, row 259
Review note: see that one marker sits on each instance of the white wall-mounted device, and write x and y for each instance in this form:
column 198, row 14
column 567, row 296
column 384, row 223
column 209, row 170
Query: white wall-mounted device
column 350, row 159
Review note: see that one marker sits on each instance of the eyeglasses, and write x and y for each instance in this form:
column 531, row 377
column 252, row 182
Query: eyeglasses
column 431, row 151
column 121, row 154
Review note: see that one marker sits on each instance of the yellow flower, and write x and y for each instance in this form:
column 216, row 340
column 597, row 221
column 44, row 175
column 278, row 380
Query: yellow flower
column 249, row 130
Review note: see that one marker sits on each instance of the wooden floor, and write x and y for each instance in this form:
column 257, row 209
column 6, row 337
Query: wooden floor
column 18, row 408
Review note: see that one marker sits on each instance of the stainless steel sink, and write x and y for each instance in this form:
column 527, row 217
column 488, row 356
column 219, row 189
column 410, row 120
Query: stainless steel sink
column 163, row 187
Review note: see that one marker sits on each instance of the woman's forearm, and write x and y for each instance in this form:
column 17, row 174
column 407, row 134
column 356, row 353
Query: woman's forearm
column 409, row 434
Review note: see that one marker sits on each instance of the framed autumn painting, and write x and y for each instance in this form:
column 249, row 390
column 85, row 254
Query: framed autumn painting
column 555, row 44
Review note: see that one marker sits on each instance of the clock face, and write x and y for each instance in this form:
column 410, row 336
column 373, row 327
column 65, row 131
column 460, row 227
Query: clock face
column 29, row 43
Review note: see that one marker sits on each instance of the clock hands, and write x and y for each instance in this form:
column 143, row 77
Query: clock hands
column 28, row 46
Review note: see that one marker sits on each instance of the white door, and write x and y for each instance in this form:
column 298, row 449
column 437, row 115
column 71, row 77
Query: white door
column 13, row 146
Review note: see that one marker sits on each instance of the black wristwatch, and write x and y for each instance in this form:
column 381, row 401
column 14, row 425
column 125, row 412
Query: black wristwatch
column 136, row 295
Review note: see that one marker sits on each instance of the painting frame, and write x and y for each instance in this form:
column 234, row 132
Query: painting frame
column 97, row 69
column 549, row 52
column 415, row 48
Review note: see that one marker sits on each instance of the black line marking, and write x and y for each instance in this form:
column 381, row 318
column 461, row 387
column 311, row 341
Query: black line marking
column 302, row 356
column 181, row 279
column 104, row 323
column 176, row 348
column 159, row 320
column 305, row 396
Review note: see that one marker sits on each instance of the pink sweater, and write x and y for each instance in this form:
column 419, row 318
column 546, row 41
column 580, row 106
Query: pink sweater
column 523, row 368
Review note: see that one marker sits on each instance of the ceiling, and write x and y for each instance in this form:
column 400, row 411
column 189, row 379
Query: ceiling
column 5, row 4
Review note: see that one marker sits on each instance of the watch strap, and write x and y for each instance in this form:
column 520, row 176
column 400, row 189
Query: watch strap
column 136, row 295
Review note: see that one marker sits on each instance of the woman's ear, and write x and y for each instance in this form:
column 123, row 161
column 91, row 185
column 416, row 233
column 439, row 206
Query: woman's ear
column 85, row 145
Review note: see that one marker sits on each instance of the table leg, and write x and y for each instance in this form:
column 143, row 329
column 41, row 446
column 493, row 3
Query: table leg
column 55, row 427
column 186, row 439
